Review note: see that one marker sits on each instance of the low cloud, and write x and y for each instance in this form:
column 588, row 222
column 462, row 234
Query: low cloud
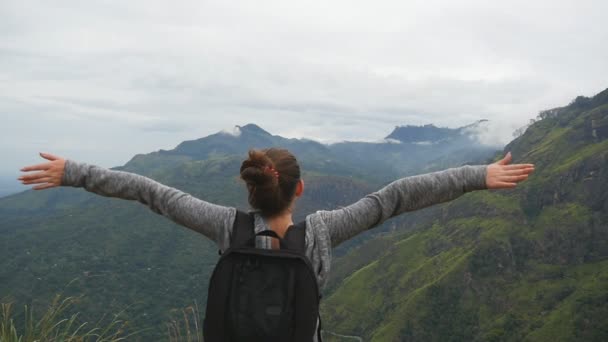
column 235, row 131
column 492, row 133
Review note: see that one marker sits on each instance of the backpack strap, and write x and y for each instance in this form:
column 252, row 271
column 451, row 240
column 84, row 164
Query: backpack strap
column 319, row 332
column 295, row 237
column 243, row 233
column 243, row 230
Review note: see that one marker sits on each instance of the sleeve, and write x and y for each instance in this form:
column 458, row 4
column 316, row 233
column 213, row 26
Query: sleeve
column 206, row 218
column 405, row 194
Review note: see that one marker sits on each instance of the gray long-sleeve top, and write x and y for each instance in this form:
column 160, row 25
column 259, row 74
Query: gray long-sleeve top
column 325, row 228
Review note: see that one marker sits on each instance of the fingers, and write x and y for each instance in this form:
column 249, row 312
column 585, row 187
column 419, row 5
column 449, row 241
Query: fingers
column 518, row 166
column 37, row 180
column 506, row 163
column 50, row 173
column 502, row 176
column 33, row 176
column 45, row 183
column 48, row 156
column 506, row 160
column 513, row 179
column 518, row 172
column 44, row 166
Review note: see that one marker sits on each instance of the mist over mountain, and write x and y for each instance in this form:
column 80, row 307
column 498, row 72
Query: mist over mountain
column 411, row 149
column 375, row 161
column 430, row 134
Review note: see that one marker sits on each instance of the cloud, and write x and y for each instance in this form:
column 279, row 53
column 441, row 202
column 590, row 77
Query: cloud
column 104, row 81
column 490, row 133
column 235, row 131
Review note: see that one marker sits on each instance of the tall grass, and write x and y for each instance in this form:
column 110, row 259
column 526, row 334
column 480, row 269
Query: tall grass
column 187, row 326
column 54, row 326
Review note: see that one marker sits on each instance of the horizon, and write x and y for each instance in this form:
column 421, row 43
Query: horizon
column 233, row 132
column 9, row 184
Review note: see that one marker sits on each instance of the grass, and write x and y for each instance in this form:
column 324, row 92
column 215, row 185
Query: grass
column 547, row 142
column 56, row 325
column 583, row 154
column 187, row 326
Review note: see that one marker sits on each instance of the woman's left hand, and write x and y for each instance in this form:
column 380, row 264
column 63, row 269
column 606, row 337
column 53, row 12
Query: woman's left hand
column 504, row 175
column 49, row 174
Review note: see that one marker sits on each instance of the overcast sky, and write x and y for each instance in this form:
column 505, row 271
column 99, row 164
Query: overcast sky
column 99, row 81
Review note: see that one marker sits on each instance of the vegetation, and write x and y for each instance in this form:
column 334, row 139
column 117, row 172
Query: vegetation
column 186, row 326
column 57, row 325
column 529, row 264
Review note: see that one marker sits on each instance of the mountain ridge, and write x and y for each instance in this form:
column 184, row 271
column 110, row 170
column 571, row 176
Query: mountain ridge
column 430, row 133
column 352, row 158
column 528, row 264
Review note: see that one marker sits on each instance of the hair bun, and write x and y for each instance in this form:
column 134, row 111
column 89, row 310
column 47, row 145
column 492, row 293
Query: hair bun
column 271, row 176
column 254, row 169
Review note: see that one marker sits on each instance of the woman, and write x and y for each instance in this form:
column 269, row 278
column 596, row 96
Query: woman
column 274, row 183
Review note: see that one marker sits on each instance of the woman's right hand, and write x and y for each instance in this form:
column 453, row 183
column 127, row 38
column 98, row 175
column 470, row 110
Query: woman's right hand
column 504, row 175
column 50, row 174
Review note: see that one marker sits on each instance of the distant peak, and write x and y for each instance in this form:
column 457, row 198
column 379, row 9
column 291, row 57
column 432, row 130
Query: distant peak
column 252, row 128
column 475, row 124
column 415, row 134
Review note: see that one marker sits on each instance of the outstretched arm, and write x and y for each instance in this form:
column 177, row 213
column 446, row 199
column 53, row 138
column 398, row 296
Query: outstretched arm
column 416, row 192
column 204, row 217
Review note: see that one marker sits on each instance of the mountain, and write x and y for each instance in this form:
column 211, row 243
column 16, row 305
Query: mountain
column 377, row 162
column 430, row 134
column 528, row 264
column 119, row 254
column 241, row 140
column 8, row 189
column 9, row 184
column 412, row 149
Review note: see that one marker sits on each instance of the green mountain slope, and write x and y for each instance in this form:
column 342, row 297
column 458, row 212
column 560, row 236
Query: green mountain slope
column 529, row 264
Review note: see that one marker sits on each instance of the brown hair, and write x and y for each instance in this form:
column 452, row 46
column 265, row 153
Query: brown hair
column 271, row 176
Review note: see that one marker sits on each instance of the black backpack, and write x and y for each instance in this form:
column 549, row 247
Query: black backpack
column 262, row 294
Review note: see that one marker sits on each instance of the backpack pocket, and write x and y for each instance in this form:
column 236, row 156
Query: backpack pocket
column 262, row 299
